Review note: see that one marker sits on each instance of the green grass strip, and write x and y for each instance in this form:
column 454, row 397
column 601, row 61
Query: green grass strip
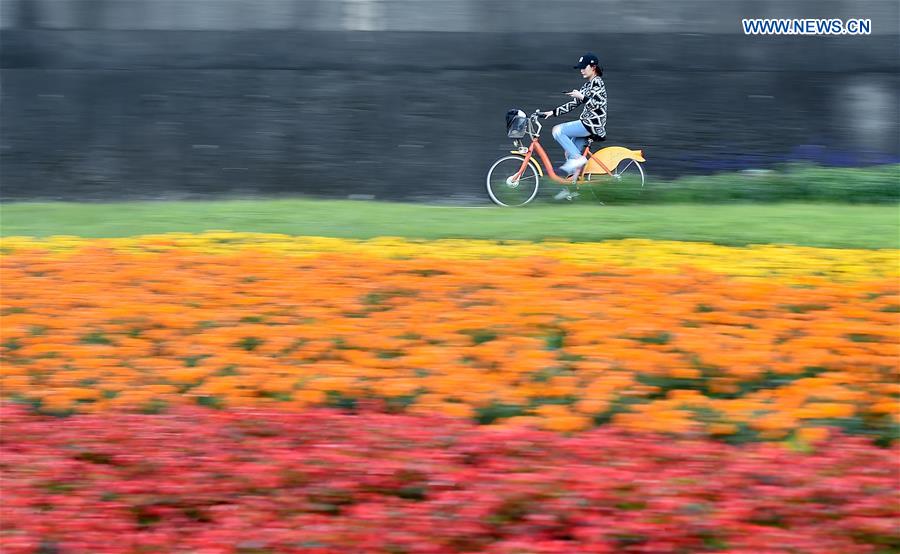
column 811, row 224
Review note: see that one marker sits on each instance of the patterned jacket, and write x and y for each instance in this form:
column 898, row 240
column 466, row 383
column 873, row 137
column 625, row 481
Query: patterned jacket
column 594, row 114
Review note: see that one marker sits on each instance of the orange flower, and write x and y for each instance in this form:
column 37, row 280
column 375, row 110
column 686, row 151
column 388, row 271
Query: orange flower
column 659, row 347
column 812, row 435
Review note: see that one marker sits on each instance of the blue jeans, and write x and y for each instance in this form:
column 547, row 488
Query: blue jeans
column 572, row 136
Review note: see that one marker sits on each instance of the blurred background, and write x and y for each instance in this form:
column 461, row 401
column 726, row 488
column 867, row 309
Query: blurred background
column 405, row 99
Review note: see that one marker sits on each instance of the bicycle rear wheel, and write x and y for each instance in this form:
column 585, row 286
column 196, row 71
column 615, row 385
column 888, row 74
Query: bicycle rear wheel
column 628, row 174
column 504, row 189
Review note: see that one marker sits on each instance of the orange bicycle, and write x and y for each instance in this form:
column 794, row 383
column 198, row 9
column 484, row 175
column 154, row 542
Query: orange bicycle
column 514, row 180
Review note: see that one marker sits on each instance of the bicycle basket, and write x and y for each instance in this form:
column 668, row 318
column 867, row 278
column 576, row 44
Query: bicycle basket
column 516, row 124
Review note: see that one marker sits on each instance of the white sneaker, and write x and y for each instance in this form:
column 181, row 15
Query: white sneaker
column 564, row 194
column 573, row 164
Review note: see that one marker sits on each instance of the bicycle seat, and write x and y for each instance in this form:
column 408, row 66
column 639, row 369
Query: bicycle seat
column 595, row 138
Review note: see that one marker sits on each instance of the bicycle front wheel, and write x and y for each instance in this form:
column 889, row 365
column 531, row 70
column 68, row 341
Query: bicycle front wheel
column 503, row 187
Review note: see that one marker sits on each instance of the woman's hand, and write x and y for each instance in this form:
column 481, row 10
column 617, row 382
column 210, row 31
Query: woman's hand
column 576, row 94
column 547, row 114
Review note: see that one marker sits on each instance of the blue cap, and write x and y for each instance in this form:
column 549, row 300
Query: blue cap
column 586, row 60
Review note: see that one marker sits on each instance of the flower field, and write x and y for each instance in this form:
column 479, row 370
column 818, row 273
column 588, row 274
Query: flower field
column 225, row 392
column 253, row 481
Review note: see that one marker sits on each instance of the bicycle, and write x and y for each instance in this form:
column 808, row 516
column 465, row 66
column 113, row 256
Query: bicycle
column 515, row 180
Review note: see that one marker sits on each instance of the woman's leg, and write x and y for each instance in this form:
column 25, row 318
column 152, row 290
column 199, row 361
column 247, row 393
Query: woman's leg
column 580, row 143
column 567, row 133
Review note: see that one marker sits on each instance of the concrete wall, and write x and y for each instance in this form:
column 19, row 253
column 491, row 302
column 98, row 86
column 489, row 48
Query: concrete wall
column 458, row 16
column 405, row 99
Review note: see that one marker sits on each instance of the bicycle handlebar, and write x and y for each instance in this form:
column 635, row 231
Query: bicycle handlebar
column 535, row 119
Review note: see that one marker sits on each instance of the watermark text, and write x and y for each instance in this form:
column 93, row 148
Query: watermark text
column 807, row 26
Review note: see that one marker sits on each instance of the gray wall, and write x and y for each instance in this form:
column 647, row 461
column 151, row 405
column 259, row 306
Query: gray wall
column 404, row 99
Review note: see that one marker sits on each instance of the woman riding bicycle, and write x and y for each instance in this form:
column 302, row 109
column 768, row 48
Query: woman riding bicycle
column 572, row 136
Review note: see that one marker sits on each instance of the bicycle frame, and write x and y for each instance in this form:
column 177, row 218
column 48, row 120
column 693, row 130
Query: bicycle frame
column 535, row 146
column 548, row 166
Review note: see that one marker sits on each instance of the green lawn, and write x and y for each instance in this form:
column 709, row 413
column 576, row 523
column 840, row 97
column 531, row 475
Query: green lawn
column 828, row 225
